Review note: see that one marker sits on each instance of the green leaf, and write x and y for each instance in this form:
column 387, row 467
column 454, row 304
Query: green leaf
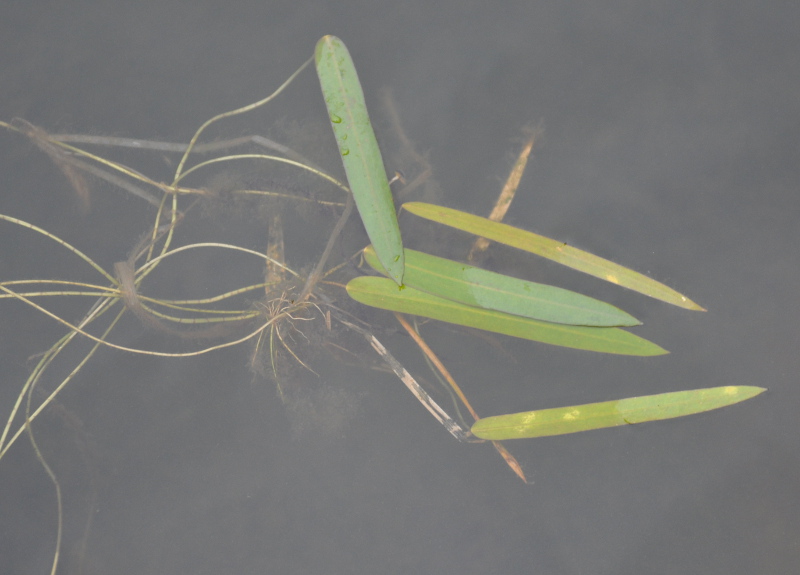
column 384, row 294
column 361, row 156
column 553, row 250
column 481, row 288
column 563, row 420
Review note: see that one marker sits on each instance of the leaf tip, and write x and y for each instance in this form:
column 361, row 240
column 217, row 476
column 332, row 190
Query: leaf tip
column 658, row 350
column 689, row 304
column 326, row 41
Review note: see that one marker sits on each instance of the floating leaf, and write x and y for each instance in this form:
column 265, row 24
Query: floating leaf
column 563, row 420
column 384, row 294
column 361, row 156
column 481, row 288
column 553, row 250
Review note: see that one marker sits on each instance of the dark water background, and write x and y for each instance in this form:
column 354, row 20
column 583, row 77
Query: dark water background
column 670, row 145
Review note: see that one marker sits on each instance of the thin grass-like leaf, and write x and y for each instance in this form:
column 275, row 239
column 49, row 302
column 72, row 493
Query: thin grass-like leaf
column 383, row 293
column 481, row 288
column 361, row 156
column 563, row 420
column 553, row 250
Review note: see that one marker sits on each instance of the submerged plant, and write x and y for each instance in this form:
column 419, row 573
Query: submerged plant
column 277, row 315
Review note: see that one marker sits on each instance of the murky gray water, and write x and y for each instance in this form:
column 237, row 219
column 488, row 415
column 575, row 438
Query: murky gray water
column 670, row 145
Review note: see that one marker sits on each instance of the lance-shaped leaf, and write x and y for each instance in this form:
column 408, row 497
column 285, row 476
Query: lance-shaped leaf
column 384, row 294
column 553, row 250
column 481, row 288
column 563, row 420
column 358, row 147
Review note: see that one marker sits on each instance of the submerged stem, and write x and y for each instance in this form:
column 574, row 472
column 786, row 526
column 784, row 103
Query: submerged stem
column 241, row 110
column 318, row 269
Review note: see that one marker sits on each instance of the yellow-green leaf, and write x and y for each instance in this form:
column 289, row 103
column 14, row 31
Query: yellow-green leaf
column 384, row 294
column 359, row 150
column 553, row 250
column 563, row 420
column 481, row 288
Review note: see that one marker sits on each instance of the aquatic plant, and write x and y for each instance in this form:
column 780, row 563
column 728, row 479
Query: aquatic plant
column 274, row 315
